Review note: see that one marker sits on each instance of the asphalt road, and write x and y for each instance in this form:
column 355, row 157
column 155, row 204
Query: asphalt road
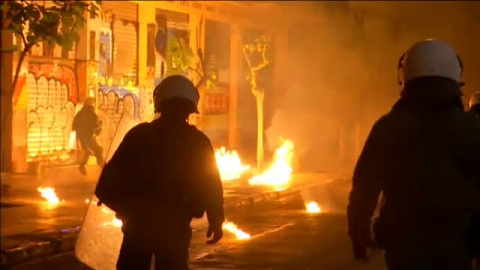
column 283, row 236
column 26, row 213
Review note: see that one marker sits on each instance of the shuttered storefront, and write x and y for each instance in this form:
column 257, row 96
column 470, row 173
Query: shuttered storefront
column 125, row 39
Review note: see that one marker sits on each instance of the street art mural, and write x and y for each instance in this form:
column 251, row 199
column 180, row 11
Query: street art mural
column 114, row 102
column 171, row 42
column 44, row 107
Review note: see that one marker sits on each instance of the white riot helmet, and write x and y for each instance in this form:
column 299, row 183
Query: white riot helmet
column 474, row 100
column 176, row 86
column 430, row 58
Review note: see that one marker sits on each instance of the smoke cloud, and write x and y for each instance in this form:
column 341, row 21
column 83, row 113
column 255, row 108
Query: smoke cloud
column 343, row 70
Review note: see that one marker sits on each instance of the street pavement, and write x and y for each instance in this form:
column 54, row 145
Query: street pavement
column 27, row 221
column 25, row 215
column 283, row 236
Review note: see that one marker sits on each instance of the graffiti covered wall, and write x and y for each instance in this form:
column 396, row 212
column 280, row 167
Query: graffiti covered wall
column 44, row 107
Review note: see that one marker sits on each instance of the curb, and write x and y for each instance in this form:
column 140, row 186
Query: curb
column 271, row 196
column 52, row 244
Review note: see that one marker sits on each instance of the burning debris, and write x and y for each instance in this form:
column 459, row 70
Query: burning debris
column 87, row 201
column 278, row 175
column 312, row 207
column 49, row 194
column 232, row 228
column 229, row 164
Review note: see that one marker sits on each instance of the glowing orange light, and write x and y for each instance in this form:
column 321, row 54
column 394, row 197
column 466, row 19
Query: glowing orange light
column 232, row 228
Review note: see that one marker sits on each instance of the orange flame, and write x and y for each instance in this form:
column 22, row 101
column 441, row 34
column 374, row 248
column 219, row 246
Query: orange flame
column 229, row 164
column 278, row 175
column 49, row 194
column 312, row 207
column 232, row 228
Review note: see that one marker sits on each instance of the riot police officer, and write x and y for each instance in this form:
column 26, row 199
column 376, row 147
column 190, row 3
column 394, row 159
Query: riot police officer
column 423, row 156
column 162, row 175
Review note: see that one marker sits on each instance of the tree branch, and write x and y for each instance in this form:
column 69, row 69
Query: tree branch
column 25, row 44
column 264, row 60
column 245, row 54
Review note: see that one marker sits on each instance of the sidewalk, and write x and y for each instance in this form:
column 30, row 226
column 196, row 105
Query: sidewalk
column 29, row 228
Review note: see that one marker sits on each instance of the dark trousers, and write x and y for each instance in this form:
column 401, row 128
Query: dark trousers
column 137, row 251
column 90, row 146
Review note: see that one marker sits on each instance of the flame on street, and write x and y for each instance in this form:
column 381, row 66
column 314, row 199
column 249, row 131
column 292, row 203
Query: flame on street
column 49, row 194
column 278, row 175
column 312, row 207
column 87, row 200
column 232, row 228
column 229, row 164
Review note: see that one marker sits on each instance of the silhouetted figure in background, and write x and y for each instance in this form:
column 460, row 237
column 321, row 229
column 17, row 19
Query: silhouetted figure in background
column 87, row 126
column 162, row 175
column 424, row 157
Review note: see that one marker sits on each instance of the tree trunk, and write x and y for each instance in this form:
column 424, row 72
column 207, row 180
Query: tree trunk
column 259, row 97
column 19, row 67
column 7, row 104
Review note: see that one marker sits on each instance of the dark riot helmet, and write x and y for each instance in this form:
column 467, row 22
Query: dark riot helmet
column 175, row 87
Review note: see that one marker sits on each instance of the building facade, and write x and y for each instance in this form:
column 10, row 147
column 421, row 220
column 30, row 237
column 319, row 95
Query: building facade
column 128, row 49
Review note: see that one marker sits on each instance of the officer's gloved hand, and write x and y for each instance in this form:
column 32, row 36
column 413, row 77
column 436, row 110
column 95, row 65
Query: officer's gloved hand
column 362, row 249
column 217, row 232
column 360, row 252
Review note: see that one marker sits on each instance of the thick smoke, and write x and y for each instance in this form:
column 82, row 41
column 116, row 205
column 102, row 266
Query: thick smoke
column 343, row 70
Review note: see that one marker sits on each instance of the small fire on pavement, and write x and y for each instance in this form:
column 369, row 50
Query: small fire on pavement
column 232, row 228
column 87, row 200
column 229, row 164
column 312, row 207
column 49, row 194
column 278, row 175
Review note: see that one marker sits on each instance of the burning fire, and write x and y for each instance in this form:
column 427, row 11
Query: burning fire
column 232, row 228
column 278, row 175
column 87, row 200
column 229, row 164
column 312, row 207
column 49, row 194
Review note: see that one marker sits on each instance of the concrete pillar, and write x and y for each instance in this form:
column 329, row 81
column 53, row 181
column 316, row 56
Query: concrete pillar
column 6, row 80
column 146, row 15
column 235, row 59
column 196, row 27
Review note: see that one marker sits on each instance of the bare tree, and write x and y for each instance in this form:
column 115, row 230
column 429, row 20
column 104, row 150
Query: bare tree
column 255, row 54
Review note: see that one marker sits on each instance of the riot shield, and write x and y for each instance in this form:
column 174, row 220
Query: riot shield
column 99, row 241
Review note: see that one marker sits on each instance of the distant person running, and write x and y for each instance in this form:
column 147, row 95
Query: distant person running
column 87, row 127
